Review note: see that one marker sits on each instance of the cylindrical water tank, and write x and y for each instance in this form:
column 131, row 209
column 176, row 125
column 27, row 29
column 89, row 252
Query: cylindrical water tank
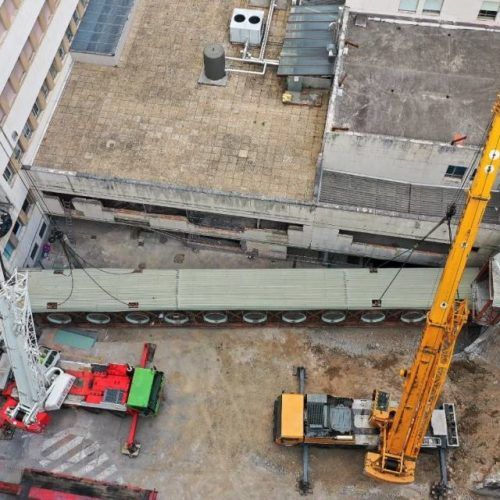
column 215, row 61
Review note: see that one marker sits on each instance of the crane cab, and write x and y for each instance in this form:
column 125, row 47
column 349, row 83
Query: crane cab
column 324, row 420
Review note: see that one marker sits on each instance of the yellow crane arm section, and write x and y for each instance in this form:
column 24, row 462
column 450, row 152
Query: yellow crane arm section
column 403, row 428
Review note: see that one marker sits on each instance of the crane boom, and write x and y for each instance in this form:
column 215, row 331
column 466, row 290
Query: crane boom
column 403, row 428
column 18, row 332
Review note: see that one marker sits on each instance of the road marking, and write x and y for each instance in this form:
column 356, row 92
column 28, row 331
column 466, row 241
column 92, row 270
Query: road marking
column 59, row 452
column 93, row 464
column 106, row 473
column 78, row 457
column 55, row 439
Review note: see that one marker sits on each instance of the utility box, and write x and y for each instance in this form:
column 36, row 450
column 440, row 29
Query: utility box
column 247, row 25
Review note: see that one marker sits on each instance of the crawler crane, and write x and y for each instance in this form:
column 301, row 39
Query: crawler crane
column 394, row 433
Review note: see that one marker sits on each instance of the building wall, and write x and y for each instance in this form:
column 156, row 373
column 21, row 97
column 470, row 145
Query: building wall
column 464, row 11
column 310, row 226
column 35, row 37
column 398, row 159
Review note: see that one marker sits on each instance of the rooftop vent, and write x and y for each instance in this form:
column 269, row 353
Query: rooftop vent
column 247, row 26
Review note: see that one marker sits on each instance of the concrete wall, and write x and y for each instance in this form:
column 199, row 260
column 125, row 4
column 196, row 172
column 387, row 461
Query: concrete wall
column 394, row 158
column 464, row 11
column 313, row 226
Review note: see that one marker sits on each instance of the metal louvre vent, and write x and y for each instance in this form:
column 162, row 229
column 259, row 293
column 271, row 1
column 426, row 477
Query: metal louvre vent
column 315, row 414
column 380, row 194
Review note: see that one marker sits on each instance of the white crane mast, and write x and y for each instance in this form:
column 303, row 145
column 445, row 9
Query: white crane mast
column 21, row 346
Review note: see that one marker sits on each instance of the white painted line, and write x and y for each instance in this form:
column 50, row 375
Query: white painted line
column 106, row 473
column 84, row 453
column 55, row 455
column 78, row 457
column 55, row 439
column 92, row 464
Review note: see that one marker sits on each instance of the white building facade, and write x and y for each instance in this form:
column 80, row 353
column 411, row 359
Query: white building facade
column 483, row 12
column 35, row 36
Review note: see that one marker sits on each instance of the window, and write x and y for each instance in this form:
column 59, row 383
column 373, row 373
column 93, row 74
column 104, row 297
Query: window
column 8, row 173
column 454, row 172
column 37, row 109
column 18, row 228
column 408, row 5
column 489, row 10
column 42, row 230
column 61, row 51
column 34, row 251
column 76, row 17
column 8, row 250
column 27, row 131
column 27, row 205
column 69, row 34
column 53, row 71
column 45, row 89
column 18, row 152
column 433, row 7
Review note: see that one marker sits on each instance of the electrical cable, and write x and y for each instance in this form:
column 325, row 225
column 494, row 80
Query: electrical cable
column 98, row 284
column 449, row 214
column 89, row 264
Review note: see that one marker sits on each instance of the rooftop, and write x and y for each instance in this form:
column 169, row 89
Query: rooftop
column 148, row 119
column 418, row 82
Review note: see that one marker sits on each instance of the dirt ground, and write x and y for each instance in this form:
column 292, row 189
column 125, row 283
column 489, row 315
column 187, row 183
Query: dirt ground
column 213, row 436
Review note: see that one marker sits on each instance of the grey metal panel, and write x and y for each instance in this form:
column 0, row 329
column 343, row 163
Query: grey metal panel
column 151, row 289
column 353, row 190
column 305, row 70
column 303, row 52
column 309, row 26
column 236, row 289
column 315, row 9
column 299, row 44
column 308, row 35
column 299, row 18
column 305, row 61
column 495, row 280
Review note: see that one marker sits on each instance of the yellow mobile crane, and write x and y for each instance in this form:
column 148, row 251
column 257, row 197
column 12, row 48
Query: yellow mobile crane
column 395, row 433
column 402, row 429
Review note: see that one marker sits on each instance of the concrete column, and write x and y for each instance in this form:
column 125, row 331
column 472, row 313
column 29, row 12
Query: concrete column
column 58, row 62
column 34, row 41
column 15, row 83
column 42, row 100
column 43, row 22
column 4, row 105
column 80, row 8
column 23, row 142
column 4, row 17
column 17, row 3
column 72, row 26
column 32, row 120
column 52, row 4
column 50, row 81
column 24, row 61
column 65, row 44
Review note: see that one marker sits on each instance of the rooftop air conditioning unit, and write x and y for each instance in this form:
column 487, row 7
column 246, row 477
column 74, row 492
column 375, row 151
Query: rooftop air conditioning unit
column 247, row 25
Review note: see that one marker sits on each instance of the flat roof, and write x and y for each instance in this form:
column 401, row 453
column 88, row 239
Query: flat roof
column 419, row 82
column 149, row 119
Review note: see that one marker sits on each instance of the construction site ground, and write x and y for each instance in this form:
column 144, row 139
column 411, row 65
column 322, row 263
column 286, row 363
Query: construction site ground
column 213, row 435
